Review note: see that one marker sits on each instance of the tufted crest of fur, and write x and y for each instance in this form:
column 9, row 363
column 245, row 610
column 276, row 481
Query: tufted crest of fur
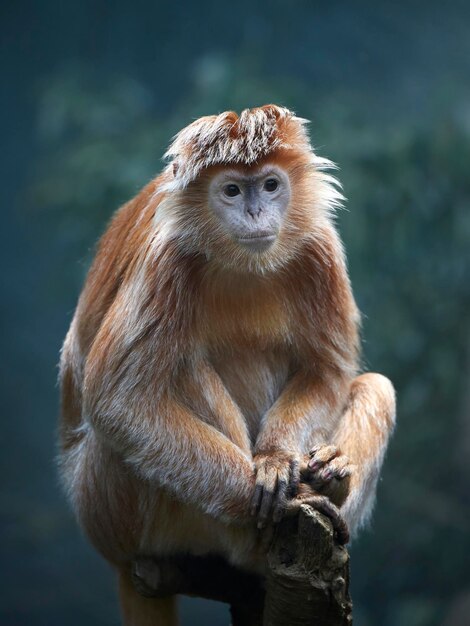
column 228, row 139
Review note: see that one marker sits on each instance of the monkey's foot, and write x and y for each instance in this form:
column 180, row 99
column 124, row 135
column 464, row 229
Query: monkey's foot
column 323, row 505
column 146, row 576
column 158, row 577
column 328, row 472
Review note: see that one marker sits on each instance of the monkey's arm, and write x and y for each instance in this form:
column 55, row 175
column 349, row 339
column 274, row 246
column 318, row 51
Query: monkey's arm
column 167, row 444
column 130, row 399
column 204, row 393
column 305, row 412
column 346, row 469
column 345, row 464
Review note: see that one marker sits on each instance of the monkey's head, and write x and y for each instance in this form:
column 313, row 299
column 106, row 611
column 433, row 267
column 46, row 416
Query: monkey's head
column 247, row 191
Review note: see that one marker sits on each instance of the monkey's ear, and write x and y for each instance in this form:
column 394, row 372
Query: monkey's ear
column 175, row 168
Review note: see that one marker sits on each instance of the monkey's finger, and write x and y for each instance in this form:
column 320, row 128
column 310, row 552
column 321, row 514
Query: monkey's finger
column 313, row 451
column 321, row 455
column 256, row 501
column 304, row 471
column 259, row 486
column 281, row 499
column 269, row 490
column 294, row 478
column 339, row 524
column 287, row 485
column 323, row 505
column 266, row 537
column 338, row 468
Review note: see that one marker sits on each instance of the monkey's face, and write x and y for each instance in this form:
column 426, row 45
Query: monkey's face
column 250, row 205
column 252, row 219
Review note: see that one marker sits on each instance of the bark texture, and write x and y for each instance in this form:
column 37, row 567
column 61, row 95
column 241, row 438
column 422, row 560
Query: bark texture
column 308, row 575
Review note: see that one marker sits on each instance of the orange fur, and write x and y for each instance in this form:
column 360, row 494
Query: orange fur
column 188, row 358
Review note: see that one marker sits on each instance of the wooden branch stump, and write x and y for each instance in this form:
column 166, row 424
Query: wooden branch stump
column 307, row 582
column 308, row 575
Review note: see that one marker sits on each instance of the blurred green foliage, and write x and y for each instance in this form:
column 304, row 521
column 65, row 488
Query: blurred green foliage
column 407, row 234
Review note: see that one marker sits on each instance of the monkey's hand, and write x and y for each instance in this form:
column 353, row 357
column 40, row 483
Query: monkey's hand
column 277, row 478
column 307, row 495
column 328, row 472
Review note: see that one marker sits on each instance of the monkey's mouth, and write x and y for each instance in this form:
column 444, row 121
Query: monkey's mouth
column 258, row 241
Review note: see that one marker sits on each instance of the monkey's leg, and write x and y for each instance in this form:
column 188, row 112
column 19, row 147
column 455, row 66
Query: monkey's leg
column 140, row 611
column 209, row 576
column 360, row 442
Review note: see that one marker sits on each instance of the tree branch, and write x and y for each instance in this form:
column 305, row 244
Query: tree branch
column 307, row 581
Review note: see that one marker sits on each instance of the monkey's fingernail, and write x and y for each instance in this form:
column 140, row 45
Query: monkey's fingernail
column 314, row 466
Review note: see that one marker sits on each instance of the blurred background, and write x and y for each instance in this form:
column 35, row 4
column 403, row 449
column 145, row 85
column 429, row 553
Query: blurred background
column 92, row 93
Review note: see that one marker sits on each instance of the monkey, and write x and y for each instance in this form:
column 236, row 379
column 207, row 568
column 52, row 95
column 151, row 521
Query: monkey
column 210, row 378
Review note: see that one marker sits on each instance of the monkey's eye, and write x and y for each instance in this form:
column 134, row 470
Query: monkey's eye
column 231, row 190
column 271, row 184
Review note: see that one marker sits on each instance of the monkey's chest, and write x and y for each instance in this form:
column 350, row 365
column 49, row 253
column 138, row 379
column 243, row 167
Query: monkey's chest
column 248, row 341
column 254, row 379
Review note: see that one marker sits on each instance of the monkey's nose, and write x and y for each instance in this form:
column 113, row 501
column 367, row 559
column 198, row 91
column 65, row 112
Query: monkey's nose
column 253, row 210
